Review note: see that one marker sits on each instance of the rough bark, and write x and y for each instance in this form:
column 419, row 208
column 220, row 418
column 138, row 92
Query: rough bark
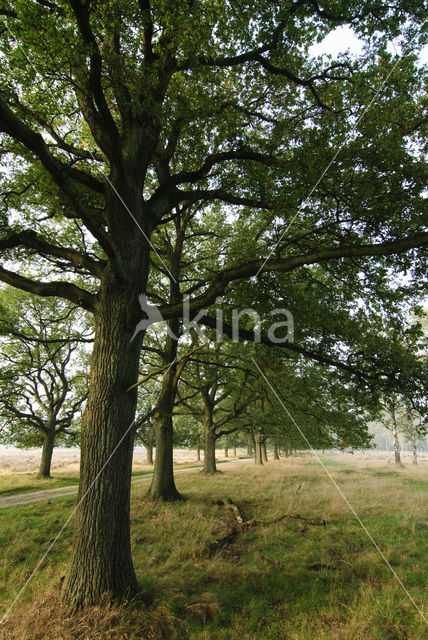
column 47, row 451
column 101, row 560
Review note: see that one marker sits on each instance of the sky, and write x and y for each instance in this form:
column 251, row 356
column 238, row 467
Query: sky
column 343, row 38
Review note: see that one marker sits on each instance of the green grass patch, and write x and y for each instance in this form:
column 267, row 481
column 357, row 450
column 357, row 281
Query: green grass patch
column 419, row 485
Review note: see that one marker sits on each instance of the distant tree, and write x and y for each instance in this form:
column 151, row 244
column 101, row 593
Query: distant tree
column 405, row 406
column 414, row 431
column 43, row 374
column 146, row 435
column 222, row 392
column 403, row 419
column 392, row 418
column 188, row 433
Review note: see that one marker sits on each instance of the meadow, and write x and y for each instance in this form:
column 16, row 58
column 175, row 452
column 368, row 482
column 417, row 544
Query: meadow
column 251, row 553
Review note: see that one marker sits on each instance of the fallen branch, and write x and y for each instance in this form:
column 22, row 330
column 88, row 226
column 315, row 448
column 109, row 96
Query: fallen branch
column 235, row 530
column 241, row 524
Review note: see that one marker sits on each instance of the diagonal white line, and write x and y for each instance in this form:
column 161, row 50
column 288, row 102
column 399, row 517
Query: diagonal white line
column 49, row 549
column 354, row 513
column 136, row 221
column 382, row 85
column 20, row 47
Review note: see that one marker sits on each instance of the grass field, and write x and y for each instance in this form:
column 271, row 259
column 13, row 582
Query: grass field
column 294, row 579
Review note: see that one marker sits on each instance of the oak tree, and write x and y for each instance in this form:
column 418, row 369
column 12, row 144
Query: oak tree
column 115, row 114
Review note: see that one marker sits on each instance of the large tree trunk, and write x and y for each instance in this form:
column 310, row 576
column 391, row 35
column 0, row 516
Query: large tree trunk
column 47, row 451
column 209, row 449
column 101, row 559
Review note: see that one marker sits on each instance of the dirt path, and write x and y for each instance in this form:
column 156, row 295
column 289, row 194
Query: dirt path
column 18, row 499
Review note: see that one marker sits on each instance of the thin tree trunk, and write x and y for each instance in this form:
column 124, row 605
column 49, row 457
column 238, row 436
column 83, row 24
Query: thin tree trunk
column 275, row 450
column 47, row 451
column 395, row 437
column 234, row 451
column 198, row 449
column 250, row 445
column 149, row 443
column 101, row 560
column 415, row 451
column 163, row 485
column 209, row 450
column 226, row 451
column 149, row 452
column 258, row 459
column 264, row 452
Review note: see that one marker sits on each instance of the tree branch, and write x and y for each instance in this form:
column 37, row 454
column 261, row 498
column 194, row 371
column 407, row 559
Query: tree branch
column 80, row 297
column 18, row 130
column 212, row 160
column 31, row 239
column 325, row 254
column 148, row 28
column 95, row 73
